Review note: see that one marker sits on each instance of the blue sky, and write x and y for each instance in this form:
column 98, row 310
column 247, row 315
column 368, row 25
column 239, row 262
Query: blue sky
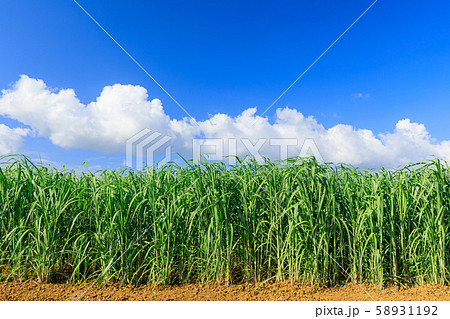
column 230, row 56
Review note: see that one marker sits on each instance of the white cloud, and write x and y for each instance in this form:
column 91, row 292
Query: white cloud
column 357, row 96
column 11, row 139
column 123, row 110
column 101, row 126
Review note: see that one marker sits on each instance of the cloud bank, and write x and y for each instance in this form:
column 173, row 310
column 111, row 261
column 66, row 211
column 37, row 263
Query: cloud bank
column 123, row 110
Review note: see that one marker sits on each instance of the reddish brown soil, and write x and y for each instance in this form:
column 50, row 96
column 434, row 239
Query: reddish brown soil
column 280, row 291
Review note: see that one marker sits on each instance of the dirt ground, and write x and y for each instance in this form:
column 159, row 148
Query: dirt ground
column 279, row 291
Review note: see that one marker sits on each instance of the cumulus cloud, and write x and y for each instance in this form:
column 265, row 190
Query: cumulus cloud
column 121, row 111
column 101, row 126
column 11, row 139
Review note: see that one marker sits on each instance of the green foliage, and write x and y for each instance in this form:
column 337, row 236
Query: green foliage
column 208, row 222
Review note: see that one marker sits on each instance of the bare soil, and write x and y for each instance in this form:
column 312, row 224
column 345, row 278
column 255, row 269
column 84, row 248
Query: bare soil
column 278, row 291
